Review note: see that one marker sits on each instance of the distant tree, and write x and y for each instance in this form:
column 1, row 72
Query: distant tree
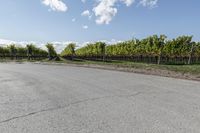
column 196, row 52
column 69, row 50
column 101, row 46
column 30, row 49
column 1, row 51
column 93, row 50
column 13, row 51
column 21, row 51
column 160, row 46
column 4, row 52
column 51, row 51
column 178, row 47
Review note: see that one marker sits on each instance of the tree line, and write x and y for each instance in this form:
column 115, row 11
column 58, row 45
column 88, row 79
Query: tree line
column 30, row 51
column 153, row 49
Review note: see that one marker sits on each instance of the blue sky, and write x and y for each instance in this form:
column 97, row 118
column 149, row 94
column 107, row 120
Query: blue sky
column 63, row 20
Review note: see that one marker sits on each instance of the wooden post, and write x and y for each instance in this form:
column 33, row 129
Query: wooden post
column 159, row 57
column 191, row 52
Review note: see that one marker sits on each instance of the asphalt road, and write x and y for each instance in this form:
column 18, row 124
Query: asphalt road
column 64, row 99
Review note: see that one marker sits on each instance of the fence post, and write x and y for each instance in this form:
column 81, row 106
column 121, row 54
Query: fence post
column 159, row 57
column 191, row 52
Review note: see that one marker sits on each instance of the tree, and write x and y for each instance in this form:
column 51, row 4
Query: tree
column 4, row 52
column 93, row 50
column 12, row 51
column 51, row 51
column 1, row 51
column 30, row 49
column 160, row 46
column 69, row 50
column 101, row 46
column 21, row 51
column 196, row 50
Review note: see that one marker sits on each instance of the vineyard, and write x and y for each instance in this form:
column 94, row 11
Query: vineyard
column 30, row 52
column 154, row 49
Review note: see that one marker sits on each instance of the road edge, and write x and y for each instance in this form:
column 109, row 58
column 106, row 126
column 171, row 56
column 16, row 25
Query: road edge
column 155, row 72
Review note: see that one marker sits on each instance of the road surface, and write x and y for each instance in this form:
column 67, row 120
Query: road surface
column 64, row 99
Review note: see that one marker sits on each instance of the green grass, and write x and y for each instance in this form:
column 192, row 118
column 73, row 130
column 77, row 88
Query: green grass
column 192, row 69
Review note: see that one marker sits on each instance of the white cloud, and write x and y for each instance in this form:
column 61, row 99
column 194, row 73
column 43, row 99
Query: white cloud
column 149, row 3
column 105, row 10
column 85, row 13
column 85, row 27
column 3, row 42
column 55, row 5
column 128, row 2
column 59, row 46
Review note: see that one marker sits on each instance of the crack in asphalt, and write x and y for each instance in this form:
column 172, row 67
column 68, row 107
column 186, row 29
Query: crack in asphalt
column 62, row 107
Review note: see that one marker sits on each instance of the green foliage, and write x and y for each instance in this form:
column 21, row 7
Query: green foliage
column 12, row 50
column 155, row 46
column 4, row 51
column 51, row 50
column 32, row 50
column 179, row 47
column 19, row 51
column 122, row 49
column 96, row 49
column 151, row 46
column 148, row 46
column 40, row 52
column 69, row 50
